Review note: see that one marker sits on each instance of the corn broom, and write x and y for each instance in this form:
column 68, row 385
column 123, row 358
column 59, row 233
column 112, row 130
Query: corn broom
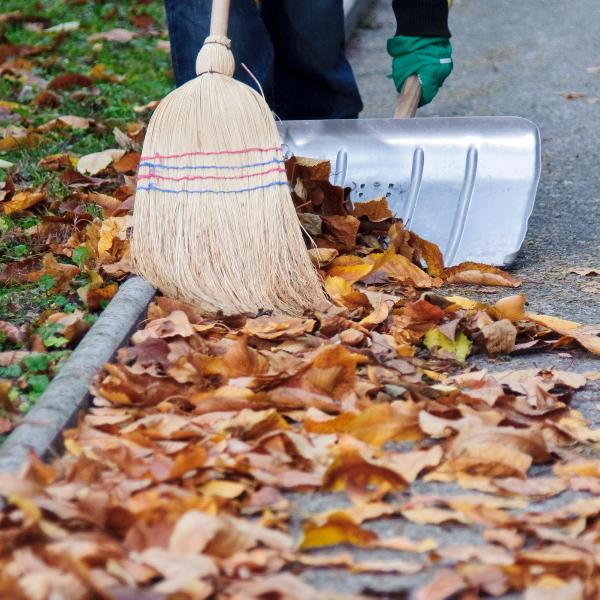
column 214, row 223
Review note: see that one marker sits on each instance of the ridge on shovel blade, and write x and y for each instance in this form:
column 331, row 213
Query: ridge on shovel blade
column 466, row 183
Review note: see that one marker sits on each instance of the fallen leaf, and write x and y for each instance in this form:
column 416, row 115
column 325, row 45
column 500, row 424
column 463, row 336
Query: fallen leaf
column 479, row 274
column 499, row 337
column 118, row 34
column 22, row 201
column 66, row 121
column 93, row 163
column 342, row 228
column 374, row 210
column 61, row 273
column 337, row 530
column 271, row 328
column 584, row 271
column 128, row 163
column 68, row 81
column 445, row 583
column 343, row 294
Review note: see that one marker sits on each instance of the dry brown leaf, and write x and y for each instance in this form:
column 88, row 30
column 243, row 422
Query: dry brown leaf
column 23, row 201
column 176, row 324
column 128, row 163
column 375, row 425
column 400, row 268
column 584, row 271
column 588, row 336
column 321, row 257
column 272, row 328
column 373, row 210
column 60, row 272
column 479, row 274
column 361, row 479
column 499, row 337
column 342, row 228
column 493, row 451
column 68, row 81
column 72, row 121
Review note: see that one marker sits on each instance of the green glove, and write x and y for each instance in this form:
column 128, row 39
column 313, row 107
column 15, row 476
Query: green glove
column 429, row 58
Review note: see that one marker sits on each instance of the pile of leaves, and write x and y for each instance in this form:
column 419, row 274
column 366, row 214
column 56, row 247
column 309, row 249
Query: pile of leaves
column 70, row 137
column 184, row 478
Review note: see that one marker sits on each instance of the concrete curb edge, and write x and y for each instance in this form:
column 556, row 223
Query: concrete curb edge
column 68, row 393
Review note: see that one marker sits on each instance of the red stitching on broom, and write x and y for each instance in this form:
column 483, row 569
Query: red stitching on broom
column 241, row 151
column 154, row 175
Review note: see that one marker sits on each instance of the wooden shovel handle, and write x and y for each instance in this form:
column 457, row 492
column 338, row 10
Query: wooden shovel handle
column 409, row 99
column 219, row 18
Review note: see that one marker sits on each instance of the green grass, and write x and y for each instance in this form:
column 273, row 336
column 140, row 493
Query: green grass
column 136, row 72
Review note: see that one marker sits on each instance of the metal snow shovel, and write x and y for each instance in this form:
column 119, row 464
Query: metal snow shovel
column 466, row 183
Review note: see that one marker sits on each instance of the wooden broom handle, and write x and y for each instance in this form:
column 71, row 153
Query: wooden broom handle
column 409, row 99
column 219, row 17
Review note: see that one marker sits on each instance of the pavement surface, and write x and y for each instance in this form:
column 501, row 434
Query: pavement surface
column 511, row 58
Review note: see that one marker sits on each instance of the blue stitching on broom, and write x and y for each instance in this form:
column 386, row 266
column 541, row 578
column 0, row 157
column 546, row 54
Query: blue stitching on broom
column 154, row 188
column 273, row 161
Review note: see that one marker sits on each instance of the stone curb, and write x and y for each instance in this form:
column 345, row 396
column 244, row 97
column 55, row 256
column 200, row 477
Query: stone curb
column 353, row 11
column 68, row 393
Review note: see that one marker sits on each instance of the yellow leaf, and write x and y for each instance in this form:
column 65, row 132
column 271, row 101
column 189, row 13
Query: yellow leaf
column 113, row 228
column 351, row 273
column 466, row 303
column 342, row 293
column 338, row 529
column 26, row 506
column 223, row 488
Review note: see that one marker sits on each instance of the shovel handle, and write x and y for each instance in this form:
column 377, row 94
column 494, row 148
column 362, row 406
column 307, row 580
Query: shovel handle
column 219, row 18
column 408, row 101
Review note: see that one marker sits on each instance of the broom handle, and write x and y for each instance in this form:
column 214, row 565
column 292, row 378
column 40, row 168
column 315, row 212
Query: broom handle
column 219, row 17
column 409, row 99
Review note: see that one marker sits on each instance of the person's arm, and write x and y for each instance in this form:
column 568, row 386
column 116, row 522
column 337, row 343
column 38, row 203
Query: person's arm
column 421, row 45
column 421, row 18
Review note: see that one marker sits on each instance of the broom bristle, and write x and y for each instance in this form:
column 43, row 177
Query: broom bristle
column 214, row 223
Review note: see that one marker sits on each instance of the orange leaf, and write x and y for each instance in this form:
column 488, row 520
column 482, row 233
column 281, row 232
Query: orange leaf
column 374, row 210
column 360, row 478
column 128, row 163
column 22, row 201
column 479, row 274
column 375, row 425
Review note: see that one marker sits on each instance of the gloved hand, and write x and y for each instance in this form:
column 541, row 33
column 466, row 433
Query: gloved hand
column 430, row 58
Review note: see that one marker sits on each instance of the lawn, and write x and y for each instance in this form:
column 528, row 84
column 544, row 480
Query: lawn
column 76, row 78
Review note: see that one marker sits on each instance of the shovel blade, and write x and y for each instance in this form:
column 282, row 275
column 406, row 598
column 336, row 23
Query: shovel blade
column 466, row 183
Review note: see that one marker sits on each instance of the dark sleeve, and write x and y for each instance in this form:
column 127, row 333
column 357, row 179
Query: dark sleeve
column 422, row 18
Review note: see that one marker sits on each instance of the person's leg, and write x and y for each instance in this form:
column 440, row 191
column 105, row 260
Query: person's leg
column 189, row 22
column 312, row 77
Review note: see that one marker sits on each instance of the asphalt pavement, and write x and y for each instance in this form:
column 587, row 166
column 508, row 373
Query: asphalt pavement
column 511, row 58
column 521, row 58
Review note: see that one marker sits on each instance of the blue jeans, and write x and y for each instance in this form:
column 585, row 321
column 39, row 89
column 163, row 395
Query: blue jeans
column 295, row 48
